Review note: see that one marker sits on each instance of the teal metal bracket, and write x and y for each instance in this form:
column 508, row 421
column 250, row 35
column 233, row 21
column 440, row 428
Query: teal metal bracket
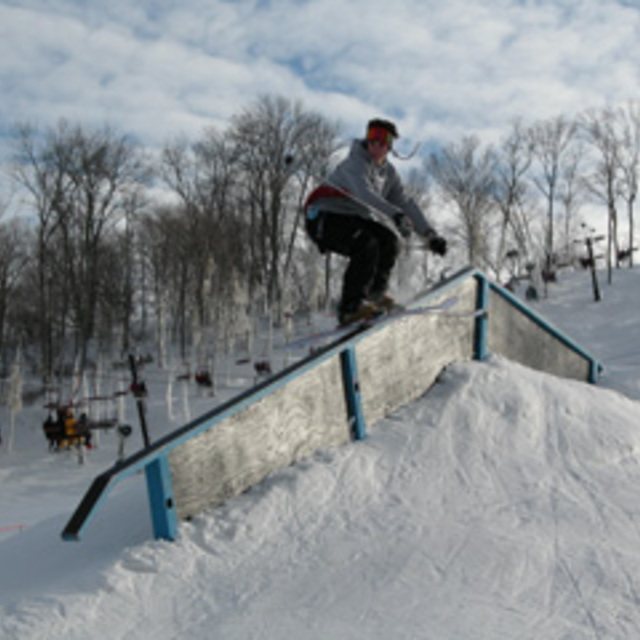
column 352, row 393
column 163, row 512
column 480, row 349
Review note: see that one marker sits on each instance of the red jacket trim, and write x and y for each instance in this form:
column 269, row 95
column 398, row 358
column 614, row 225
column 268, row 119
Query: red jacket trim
column 324, row 191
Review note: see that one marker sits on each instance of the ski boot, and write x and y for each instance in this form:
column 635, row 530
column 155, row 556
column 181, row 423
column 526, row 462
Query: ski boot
column 386, row 303
column 365, row 311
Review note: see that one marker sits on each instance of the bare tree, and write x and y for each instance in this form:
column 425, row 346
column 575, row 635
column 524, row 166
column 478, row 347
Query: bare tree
column 13, row 259
column 76, row 181
column 599, row 127
column 551, row 141
column 36, row 168
column 204, row 176
column 123, row 295
column 629, row 159
column 514, row 160
column 168, row 250
column 466, row 175
column 157, row 246
column 268, row 135
column 570, row 196
column 311, row 149
column 101, row 167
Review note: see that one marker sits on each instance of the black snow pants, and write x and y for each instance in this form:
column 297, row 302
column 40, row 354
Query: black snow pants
column 372, row 250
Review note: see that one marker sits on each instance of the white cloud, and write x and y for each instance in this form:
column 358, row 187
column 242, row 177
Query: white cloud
column 439, row 68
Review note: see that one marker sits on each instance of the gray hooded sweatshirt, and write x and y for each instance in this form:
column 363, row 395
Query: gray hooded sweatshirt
column 357, row 186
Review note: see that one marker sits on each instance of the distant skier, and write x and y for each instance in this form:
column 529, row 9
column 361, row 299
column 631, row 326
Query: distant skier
column 358, row 212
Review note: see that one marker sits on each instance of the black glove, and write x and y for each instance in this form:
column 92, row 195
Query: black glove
column 403, row 224
column 437, row 244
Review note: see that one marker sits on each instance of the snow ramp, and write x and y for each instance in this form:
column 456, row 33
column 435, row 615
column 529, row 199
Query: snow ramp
column 331, row 397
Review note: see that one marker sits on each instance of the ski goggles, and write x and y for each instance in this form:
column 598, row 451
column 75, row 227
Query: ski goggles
column 378, row 134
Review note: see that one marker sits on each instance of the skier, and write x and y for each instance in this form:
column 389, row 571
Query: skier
column 358, row 212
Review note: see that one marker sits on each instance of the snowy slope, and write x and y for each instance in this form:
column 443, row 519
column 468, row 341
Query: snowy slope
column 504, row 504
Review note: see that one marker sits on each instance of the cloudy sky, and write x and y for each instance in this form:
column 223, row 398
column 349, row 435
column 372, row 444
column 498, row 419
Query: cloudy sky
column 440, row 68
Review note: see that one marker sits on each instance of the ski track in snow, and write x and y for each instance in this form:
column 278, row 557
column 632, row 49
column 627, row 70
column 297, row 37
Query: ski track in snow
column 503, row 504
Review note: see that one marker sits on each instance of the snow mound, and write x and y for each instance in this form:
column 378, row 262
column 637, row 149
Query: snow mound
column 503, row 504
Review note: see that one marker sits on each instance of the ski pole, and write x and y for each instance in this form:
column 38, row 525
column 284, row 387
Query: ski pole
column 139, row 401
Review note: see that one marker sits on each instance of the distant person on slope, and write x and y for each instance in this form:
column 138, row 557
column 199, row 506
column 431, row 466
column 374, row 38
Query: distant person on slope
column 358, row 212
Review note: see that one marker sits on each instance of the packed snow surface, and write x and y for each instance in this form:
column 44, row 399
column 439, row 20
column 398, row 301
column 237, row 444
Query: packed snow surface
column 502, row 504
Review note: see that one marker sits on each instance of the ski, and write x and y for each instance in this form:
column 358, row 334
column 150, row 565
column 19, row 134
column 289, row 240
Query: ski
column 343, row 331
